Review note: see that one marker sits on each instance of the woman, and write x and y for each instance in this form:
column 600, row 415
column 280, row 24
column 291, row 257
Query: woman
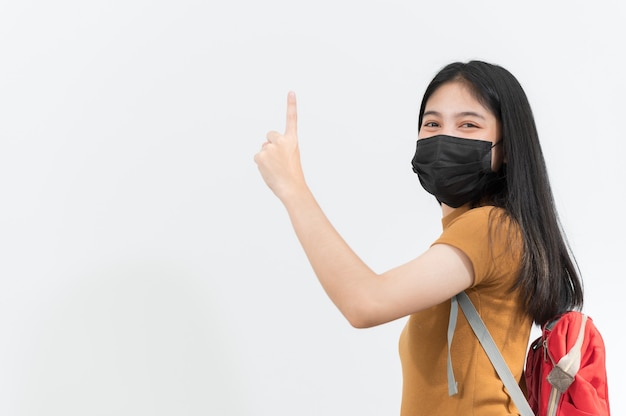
column 478, row 153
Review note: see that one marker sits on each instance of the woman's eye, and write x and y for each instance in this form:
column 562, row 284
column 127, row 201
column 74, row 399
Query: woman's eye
column 468, row 125
column 431, row 124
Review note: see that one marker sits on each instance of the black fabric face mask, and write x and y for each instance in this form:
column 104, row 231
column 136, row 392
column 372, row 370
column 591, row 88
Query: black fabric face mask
column 453, row 169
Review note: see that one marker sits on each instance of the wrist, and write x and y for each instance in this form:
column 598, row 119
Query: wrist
column 295, row 195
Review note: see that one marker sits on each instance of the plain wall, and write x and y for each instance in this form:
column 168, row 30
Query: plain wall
column 145, row 268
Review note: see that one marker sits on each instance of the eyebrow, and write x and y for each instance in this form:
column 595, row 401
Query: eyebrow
column 461, row 114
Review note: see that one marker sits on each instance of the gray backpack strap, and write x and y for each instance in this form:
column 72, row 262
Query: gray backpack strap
column 454, row 311
column 483, row 335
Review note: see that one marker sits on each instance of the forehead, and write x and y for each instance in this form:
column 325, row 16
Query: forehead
column 454, row 97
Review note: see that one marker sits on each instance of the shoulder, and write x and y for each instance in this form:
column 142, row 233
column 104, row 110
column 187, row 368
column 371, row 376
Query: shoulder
column 489, row 237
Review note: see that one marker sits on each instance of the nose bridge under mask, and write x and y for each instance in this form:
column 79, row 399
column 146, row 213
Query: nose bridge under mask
column 445, row 149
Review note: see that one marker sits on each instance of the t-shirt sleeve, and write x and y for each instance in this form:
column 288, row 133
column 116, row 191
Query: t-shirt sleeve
column 489, row 239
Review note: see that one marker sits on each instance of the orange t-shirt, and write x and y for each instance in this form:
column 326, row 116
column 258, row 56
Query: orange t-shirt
column 495, row 253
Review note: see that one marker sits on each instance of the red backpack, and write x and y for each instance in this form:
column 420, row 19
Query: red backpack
column 565, row 367
column 566, row 370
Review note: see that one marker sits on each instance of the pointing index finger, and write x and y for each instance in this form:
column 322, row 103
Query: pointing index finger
column 292, row 115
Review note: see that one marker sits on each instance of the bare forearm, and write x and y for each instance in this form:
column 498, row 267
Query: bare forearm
column 344, row 276
column 347, row 280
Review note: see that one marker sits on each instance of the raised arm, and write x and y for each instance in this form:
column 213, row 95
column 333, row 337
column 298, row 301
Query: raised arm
column 364, row 297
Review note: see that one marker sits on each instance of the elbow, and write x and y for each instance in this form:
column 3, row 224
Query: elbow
column 364, row 305
column 361, row 315
column 361, row 323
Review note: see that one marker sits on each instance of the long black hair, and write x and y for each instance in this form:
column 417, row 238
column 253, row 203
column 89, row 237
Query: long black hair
column 549, row 279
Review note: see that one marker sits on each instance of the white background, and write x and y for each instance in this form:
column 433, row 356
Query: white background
column 145, row 269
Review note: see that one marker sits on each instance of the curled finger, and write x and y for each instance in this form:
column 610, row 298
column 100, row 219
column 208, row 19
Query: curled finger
column 272, row 136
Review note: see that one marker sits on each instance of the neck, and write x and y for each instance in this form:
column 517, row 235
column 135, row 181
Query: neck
column 445, row 210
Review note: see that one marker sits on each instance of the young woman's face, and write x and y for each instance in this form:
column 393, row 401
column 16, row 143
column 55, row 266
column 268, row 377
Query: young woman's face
column 452, row 110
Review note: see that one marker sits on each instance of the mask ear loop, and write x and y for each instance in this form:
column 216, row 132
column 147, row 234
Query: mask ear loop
column 503, row 156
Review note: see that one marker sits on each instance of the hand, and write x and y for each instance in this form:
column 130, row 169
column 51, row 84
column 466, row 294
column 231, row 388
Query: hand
column 279, row 158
